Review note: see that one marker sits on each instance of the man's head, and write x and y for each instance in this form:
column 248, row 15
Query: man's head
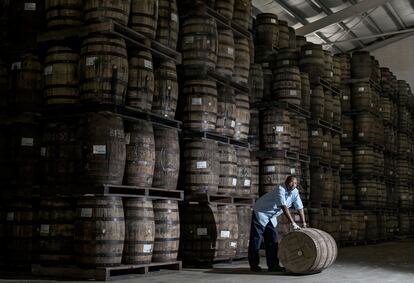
column 291, row 182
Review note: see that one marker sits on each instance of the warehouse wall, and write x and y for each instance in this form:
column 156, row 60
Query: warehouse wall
column 399, row 57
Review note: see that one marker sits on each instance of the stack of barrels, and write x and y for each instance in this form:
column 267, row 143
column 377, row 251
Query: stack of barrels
column 211, row 232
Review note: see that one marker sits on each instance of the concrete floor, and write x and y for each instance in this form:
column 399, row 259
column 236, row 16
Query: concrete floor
column 381, row 263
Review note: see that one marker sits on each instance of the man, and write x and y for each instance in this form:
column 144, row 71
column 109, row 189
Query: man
column 264, row 222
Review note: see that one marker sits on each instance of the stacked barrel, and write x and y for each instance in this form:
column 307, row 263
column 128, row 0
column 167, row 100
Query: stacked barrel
column 215, row 71
column 92, row 149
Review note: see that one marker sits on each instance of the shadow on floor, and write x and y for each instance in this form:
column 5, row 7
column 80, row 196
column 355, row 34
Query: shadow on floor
column 246, row 271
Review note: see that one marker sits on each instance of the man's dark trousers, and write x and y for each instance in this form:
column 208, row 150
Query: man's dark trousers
column 257, row 233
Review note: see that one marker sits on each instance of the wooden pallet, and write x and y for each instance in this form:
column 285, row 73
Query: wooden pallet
column 221, row 199
column 104, row 273
column 189, row 134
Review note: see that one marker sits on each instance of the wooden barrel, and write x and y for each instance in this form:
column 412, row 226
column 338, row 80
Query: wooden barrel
column 312, row 60
column 347, row 130
column 287, row 85
column 266, row 37
column 361, row 65
column 362, row 97
column 144, row 17
column 273, row 173
column 317, row 102
column 389, row 166
column 404, row 223
column 201, row 166
column 61, row 76
column 367, row 193
column 226, row 53
column 320, row 184
column 254, row 129
column 336, row 151
column 403, row 92
column 276, row 132
column 403, row 194
column 267, row 82
column 327, row 147
column 328, row 106
column 167, row 230
column 363, row 127
column 328, row 66
column 348, row 193
column 385, row 109
column 345, row 65
column 244, row 172
column 139, row 231
column 226, row 111
column 402, row 169
column 199, row 44
column 140, row 153
column 225, row 8
column 242, row 11
column 103, row 70
column 241, row 60
column 390, row 133
column 304, row 136
column 347, row 161
column 244, row 216
column 346, row 102
column 141, row 82
column 287, row 57
column 55, row 230
column 256, row 83
column 63, row 13
column 167, row 158
column 292, row 38
column 328, row 189
column 336, row 109
column 166, row 89
column 167, row 26
column 316, row 140
column 26, row 84
column 284, row 227
column 200, row 110
column 294, row 133
column 403, row 145
column 228, row 169
column 101, row 149
column 404, row 120
column 305, row 91
column 307, row 251
column 99, row 231
column 228, row 231
column 283, row 34
column 255, row 164
column 364, row 160
column 242, row 117
column 118, row 10
column 336, row 78
column 19, row 226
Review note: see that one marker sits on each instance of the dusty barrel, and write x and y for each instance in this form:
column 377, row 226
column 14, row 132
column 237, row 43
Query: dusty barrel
column 403, row 169
column 402, row 92
column 166, row 89
column 167, row 158
column 242, row 12
column 287, row 85
column 328, row 70
column 328, row 106
column 63, row 13
column 167, row 26
column 95, row 10
column 139, row 231
column 19, row 231
column 61, row 80
column 226, row 52
column 99, row 231
column 100, row 149
column 242, row 117
column 287, row 57
column 336, row 109
column 364, row 160
column 300, row 41
column 312, row 60
column 404, row 119
column 266, row 34
column 361, row 65
column 103, row 70
column 307, row 251
column 347, row 160
column 244, row 172
column 167, row 231
column 228, row 228
column 294, row 133
column 327, row 147
column 226, row 111
column 362, row 97
column 305, row 91
column 55, row 230
column 199, row 44
column 403, row 144
column 345, row 65
column 316, row 140
column 225, row 8
column 347, row 129
column 141, row 82
column 367, row 193
column 254, row 129
column 336, row 78
column 304, row 136
column 346, row 101
column 256, row 83
column 26, row 83
column 283, row 34
column 244, row 216
column 255, row 174
column 140, row 153
column 201, row 166
column 348, row 193
column 336, row 151
column 292, row 38
column 317, row 102
column 200, row 110
column 276, row 133
column 228, row 169
column 363, row 127
column 144, row 17
column 273, row 172
column 267, row 82
column 241, row 60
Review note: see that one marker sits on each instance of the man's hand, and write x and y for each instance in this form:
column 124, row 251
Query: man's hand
column 305, row 225
column 295, row 226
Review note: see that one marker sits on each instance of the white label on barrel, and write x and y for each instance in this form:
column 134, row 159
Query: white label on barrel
column 27, row 142
column 332, row 114
column 148, row 64
column 48, row 70
column 361, row 89
column 344, row 135
column 266, row 65
column 345, row 97
column 279, row 129
column 311, row 91
column 365, row 217
column 233, row 124
column 364, row 190
column 147, row 248
column 10, row 216
column 297, row 218
column 372, row 105
column 315, row 133
column 174, row 17
column 86, row 212
column 345, row 197
column 233, row 244
column 16, row 66
column 270, row 169
column 342, row 165
column 273, row 21
column 201, row 164
column 99, row 149
column 225, row 234
column 380, row 109
column 308, row 52
column 44, row 229
column 293, row 92
column 90, row 61
column 127, row 138
column 325, row 144
column 247, row 183
column 391, row 172
column 202, row 232
column 331, row 74
column 30, row 6
column 234, row 182
column 230, row 50
column 285, row 62
column 43, row 151
column 196, row 101
column 361, row 134
column 361, row 151
column 292, row 171
column 188, row 39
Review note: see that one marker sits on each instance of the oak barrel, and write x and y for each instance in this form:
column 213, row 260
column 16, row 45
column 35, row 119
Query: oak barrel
column 283, row 34
column 226, row 111
column 225, row 8
column 256, row 83
column 226, row 52
column 117, row 10
column 144, row 17
column 244, row 217
column 242, row 117
column 276, row 132
column 241, row 60
column 266, row 35
column 287, row 85
column 317, row 103
column 167, row 26
column 312, row 60
column 228, row 169
column 273, row 173
column 63, row 13
column 166, row 89
column 361, row 65
column 244, row 172
column 228, row 230
column 305, row 91
column 242, row 12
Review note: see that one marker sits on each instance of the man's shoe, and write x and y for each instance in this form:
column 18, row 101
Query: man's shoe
column 276, row 269
column 255, row 268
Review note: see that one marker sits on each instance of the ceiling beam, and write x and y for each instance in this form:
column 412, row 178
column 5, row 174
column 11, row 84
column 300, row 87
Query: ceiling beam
column 344, row 14
column 388, row 41
column 389, row 9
